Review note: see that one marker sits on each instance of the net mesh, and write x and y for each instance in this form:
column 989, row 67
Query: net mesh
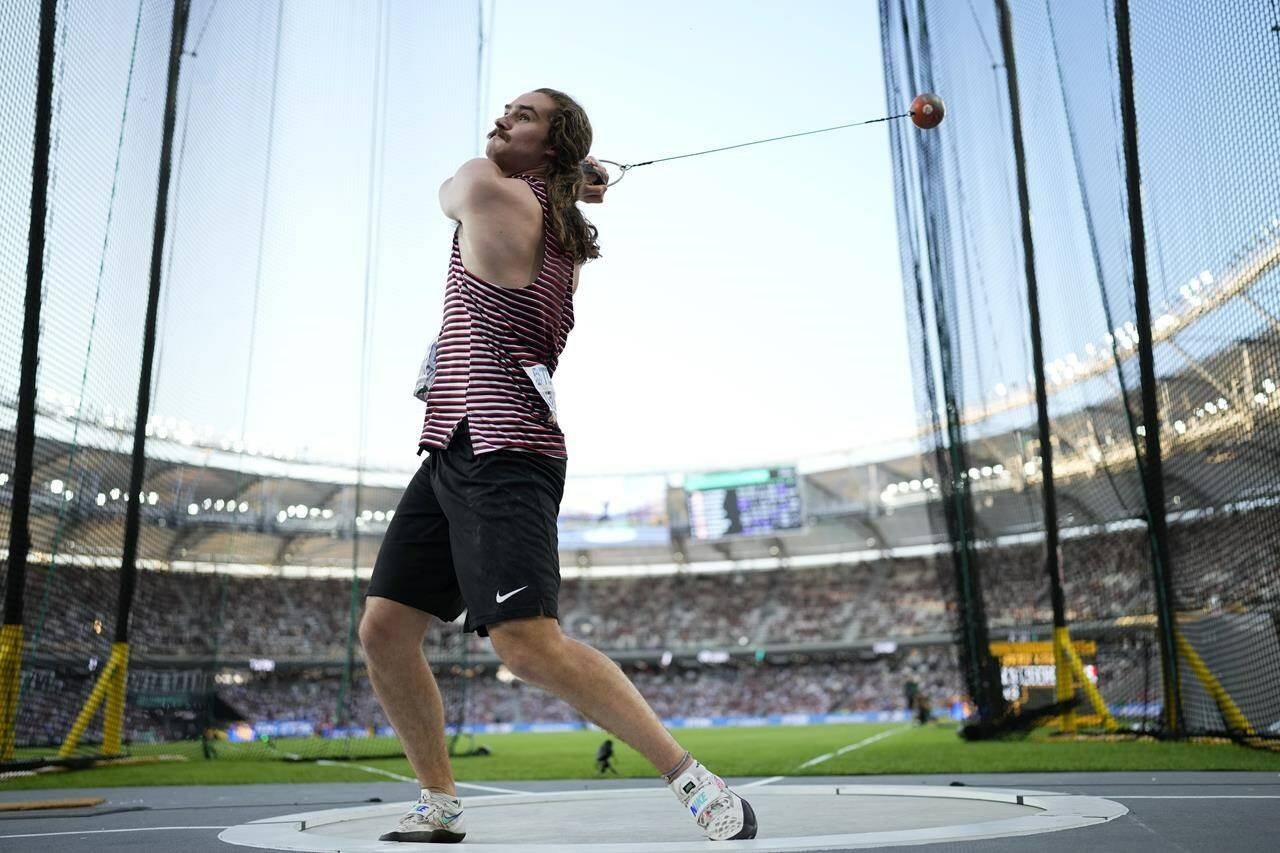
column 1209, row 205
column 321, row 106
column 280, row 108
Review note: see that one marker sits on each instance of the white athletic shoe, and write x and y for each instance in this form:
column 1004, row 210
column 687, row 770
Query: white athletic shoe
column 721, row 814
column 435, row 818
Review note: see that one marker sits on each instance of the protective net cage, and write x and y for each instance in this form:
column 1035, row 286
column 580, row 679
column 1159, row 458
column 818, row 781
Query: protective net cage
column 1168, row 565
column 317, row 104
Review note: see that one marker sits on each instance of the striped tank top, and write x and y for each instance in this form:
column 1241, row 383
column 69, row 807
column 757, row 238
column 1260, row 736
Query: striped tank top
column 497, row 351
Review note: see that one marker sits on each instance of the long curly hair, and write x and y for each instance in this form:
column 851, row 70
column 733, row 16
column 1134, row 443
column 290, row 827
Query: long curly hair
column 570, row 136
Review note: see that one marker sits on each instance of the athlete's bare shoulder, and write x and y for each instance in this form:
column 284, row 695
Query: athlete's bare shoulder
column 480, row 188
column 500, row 224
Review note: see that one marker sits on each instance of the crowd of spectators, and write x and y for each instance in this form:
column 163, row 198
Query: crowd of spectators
column 1225, row 562
column 228, row 616
column 1236, row 560
column 475, row 694
column 680, row 690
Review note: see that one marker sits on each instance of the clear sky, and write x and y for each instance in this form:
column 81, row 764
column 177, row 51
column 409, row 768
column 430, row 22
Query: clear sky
column 748, row 305
column 747, row 308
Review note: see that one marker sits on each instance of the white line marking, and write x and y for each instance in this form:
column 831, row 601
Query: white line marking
column 491, row 788
column 818, row 760
column 1190, row 796
column 859, row 745
column 380, row 772
column 760, row 782
column 828, row 755
column 101, row 831
column 367, row 769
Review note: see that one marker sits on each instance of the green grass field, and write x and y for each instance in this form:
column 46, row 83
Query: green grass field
column 730, row 752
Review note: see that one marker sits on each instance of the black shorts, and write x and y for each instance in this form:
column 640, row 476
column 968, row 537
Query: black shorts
column 476, row 533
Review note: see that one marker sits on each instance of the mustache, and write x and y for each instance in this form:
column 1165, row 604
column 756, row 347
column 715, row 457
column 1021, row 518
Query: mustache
column 499, row 134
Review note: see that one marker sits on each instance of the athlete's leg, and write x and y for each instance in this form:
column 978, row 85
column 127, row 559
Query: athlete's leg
column 391, row 634
column 536, row 651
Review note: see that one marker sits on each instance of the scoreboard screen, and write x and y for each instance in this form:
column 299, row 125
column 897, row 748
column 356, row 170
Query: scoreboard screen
column 755, row 502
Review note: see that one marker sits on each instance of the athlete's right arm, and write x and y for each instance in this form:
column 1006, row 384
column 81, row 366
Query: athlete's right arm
column 478, row 184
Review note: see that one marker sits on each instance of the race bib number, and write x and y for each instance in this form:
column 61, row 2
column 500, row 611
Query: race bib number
column 426, row 373
column 541, row 378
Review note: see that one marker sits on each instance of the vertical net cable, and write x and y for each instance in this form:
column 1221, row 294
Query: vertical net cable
column 1210, row 194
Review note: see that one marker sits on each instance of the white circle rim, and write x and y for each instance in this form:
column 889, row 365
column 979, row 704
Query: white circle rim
column 1057, row 812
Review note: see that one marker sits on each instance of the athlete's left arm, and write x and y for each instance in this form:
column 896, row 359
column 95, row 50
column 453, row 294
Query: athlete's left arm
column 477, row 186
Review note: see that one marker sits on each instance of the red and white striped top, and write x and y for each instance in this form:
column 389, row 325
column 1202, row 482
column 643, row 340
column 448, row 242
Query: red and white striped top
column 491, row 342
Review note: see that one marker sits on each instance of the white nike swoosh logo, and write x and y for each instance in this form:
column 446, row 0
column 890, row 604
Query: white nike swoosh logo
column 499, row 597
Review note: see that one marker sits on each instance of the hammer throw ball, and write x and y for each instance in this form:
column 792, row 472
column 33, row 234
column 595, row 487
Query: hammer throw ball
column 927, row 111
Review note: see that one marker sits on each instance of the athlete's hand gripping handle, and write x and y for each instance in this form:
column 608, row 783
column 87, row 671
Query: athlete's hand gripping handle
column 597, row 181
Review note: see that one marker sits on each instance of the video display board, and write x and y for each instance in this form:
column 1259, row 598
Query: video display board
column 754, row 502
